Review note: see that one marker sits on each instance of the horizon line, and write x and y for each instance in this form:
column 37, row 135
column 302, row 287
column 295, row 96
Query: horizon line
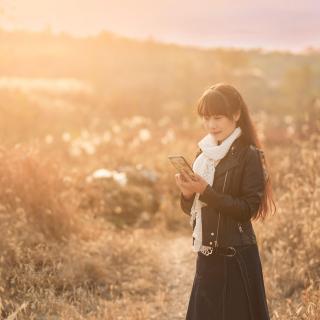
column 264, row 49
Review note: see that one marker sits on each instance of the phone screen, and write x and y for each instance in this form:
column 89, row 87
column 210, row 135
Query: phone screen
column 179, row 162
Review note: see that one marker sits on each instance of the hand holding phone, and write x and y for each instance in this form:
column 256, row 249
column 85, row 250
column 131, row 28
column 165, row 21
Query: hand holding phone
column 180, row 163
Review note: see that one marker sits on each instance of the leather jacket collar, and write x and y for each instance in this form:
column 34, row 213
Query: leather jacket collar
column 232, row 158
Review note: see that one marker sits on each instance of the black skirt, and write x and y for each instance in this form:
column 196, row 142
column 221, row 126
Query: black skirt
column 229, row 287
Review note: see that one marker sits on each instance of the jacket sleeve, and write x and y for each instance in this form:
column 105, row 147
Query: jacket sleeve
column 244, row 207
column 186, row 204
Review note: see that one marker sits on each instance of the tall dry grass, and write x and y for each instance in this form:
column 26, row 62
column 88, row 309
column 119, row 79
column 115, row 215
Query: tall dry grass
column 290, row 241
column 56, row 260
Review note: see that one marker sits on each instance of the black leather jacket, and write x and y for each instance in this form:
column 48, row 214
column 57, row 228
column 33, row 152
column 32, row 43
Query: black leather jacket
column 234, row 198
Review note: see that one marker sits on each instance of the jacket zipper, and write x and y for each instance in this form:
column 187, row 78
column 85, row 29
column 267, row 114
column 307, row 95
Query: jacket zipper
column 217, row 232
column 240, row 227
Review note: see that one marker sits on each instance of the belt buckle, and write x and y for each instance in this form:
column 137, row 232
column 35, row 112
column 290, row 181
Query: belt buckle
column 207, row 252
column 233, row 253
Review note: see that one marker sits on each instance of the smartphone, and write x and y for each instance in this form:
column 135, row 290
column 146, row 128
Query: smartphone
column 179, row 162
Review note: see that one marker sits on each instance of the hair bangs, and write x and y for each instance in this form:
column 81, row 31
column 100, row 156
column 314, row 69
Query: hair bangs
column 212, row 103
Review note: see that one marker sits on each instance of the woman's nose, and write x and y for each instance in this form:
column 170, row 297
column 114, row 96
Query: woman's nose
column 212, row 122
column 212, row 126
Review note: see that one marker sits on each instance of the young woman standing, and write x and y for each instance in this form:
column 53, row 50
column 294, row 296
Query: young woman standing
column 231, row 187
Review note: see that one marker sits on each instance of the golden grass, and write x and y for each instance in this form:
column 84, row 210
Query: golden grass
column 61, row 261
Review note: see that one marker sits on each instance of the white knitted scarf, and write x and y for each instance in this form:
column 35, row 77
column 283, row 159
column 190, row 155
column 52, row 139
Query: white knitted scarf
column 204, row 165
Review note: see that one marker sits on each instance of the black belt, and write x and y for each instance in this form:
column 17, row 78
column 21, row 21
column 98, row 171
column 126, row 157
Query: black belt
column 223, row 251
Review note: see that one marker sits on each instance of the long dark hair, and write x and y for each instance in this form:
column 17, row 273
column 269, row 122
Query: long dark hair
column 224, row 99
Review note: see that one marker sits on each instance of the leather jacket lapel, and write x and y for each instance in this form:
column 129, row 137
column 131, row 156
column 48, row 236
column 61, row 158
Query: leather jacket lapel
column 230, row 160
column 225, row 164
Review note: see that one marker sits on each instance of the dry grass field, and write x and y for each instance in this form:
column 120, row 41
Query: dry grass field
column 71, row 250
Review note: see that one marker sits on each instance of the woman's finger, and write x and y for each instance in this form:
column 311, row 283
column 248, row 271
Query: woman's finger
column 198, row 177
column 181, row 183
column 186, row 176
column 182, row 175
column 178, row 179
column 187, row 185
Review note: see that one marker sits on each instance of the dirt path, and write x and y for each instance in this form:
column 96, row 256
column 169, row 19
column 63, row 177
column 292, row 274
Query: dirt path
column 178, row 262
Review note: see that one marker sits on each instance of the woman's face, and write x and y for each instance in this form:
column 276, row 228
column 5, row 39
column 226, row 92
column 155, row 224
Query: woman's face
column 220, row 126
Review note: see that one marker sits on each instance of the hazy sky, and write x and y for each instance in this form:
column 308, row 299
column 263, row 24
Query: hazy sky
column 239, row 23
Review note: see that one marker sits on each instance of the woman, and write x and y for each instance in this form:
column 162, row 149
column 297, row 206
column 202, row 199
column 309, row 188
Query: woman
column 230, row 188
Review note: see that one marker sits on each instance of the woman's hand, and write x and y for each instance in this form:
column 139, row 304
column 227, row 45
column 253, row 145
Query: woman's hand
column 181, row 183
column 195, row 185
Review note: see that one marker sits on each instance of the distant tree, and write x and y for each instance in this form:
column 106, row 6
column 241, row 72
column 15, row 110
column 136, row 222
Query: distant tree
column 233, row 58
column 230, row 61
column 299, row 87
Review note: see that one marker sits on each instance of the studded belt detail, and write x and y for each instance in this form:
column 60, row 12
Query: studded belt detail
column 224, row 251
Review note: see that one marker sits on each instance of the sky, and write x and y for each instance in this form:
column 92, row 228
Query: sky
column 269, row 24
